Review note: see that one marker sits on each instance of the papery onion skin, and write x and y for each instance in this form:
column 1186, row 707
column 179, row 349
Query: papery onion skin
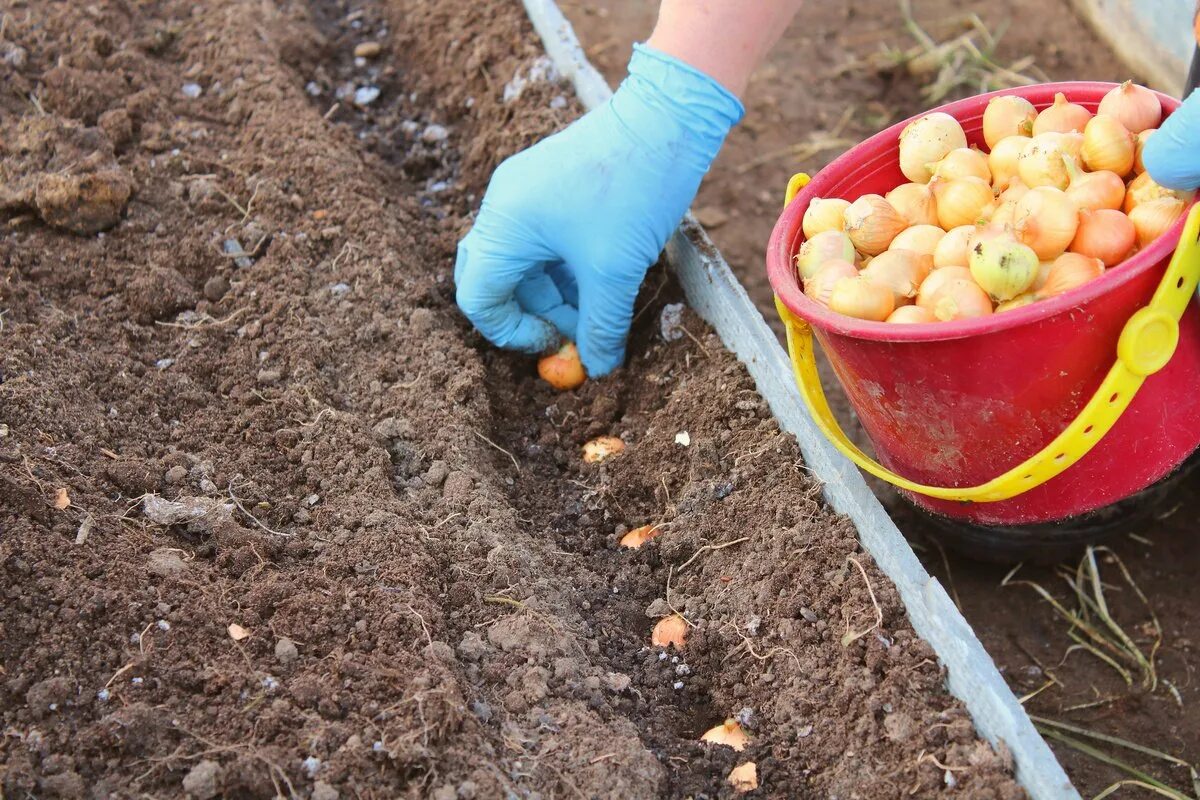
column 670, row 631
column 1061, row 117
column 1136, row 107
column 820, row 286
column 926, row 141
column 936, row 280
column 825, row 246
column 961, row 201
column 914, row 202
column 1003, row 161
column 562, row 369
column 872, row 222
column 1155, row 217
column 1043, row 161
column 900, row 271
column 1020, row 301
column 1095, row 190
column 1003, row 269
column 824, row 214
column 919, row 239
column 860, row 298
column 1108, row 145
column 1105, row 234
column 1005, row 116
column 961, row 299
column 911, row 315
column 1070, row 271
column 1047, row 221
column 952, row 250
column 965, row 162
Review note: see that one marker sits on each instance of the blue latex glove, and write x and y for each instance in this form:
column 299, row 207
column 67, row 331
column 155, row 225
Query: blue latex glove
column 1172, row 154
column 569, row 227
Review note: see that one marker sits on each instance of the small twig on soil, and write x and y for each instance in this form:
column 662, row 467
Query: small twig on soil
column 253, row 518
column 699, row 343
column 949, row 574
column 850, row 637
column 204, row 319
column 498, row 447
column 119, row 673
column 764, row 656
column 1051, row 730
column 931, row 758
column 711, row 547
column 504, row 601
column 333, row 109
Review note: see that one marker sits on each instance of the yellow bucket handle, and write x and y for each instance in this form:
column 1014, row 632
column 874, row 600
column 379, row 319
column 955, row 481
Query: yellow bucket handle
column 1146, row 345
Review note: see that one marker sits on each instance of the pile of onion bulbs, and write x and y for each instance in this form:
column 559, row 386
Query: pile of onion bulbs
column 1058, row 197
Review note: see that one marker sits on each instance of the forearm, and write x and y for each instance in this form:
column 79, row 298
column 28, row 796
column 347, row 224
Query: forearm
column 725, row 39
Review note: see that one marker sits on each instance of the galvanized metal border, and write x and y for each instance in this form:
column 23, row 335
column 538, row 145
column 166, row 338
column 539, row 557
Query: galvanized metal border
column 715, row 293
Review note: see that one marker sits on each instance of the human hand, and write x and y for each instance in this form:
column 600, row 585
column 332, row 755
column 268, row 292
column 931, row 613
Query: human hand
column 1172, row 154
column 569, row 227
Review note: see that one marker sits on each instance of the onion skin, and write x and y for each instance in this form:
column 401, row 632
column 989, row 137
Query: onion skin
column 602, row 448
column 936, row 280
column 1020, row 301
column 960, row 299
column 825, row 246
column 871, row 223
column 919, row 239
column 670, row 631
column 1042, row 162
column 1095, row 190
column 1061, row 117
column 1070, row 271
column 961, row 201
column 965, row 162
column 1136, row 107
column 1138, row 165
column 639, row 536
column 1003, row 160
column 729, row 733
column 1003, row 269
column 744, row 777
column 911, row 315
column 1006, row 116
column 1155, row 217
column 1143, row 189
column 824, row 215
column 820, row 286
column 926, row 141
column 1105, row 234
column 1107, row 145
column 860, row 298
column 952, row 250
column 562, row 369
column 1047, row 221
column 914, row 202
column 901, row 272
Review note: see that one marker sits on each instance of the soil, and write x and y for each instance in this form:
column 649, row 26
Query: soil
column 799, row 96
column 275, row 522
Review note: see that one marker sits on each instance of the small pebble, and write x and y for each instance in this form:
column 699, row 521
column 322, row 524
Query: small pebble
column 365, row 95
column 163, row 625
column 163, row 363
column 216, row 286
column 103, row 695
column 339, row 289
column 285, row 651
column 311, row 765
column 191, row 90
column 175, row 474
column 234, row 248
column 435, row 133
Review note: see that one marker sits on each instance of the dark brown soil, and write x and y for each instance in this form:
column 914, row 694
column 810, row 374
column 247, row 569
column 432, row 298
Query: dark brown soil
column 799, row 93
column 274, row 522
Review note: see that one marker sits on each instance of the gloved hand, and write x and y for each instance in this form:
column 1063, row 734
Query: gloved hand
column 1172, row 154
column 569, row 227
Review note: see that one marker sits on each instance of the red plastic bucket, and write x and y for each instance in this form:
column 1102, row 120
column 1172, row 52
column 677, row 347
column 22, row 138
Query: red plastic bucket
column 956, row 404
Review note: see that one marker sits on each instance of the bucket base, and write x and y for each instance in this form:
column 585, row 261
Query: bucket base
column 1052, row 542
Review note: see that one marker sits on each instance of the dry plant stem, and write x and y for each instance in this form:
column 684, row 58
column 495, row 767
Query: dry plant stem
column 849, row 637
column 1119, row 742
column 253, row 518
column 1104, row 758
column 498, row 447
column 710, row 547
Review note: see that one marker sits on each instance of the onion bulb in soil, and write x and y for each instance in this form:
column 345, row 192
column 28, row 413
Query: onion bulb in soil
column 1061, row 117
column 824, row 215
column 871, row 223
column 901, row 272
column 1042, row 162
column 1019, row 301
column 951, row 250
column 1142, row 189
column 744, row 777
column 1070, row 271
column 639, row 536
column 1105, row 234
column 911, row 315
column 1002, row 161
column 1095, row 190
column 562, row 369
column 825, row 246
column 861, row 298
column 729, row 733
column 1155, row 217
column 961, row 201
column 602, row 448
column 926, row 141
column 914, row 202
column 919, row 238
column 936, row 280
column 670, row 631
column 1047, row 221
column 1108, row 146
column 1002, row 268
column 1138, row 165
column 1007, row 116
column 965, row 162
column 820, row 286
column 1135, row 107
column 960, row 299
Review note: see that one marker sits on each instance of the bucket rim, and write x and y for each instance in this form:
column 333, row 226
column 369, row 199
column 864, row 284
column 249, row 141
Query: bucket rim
column 786, row 236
